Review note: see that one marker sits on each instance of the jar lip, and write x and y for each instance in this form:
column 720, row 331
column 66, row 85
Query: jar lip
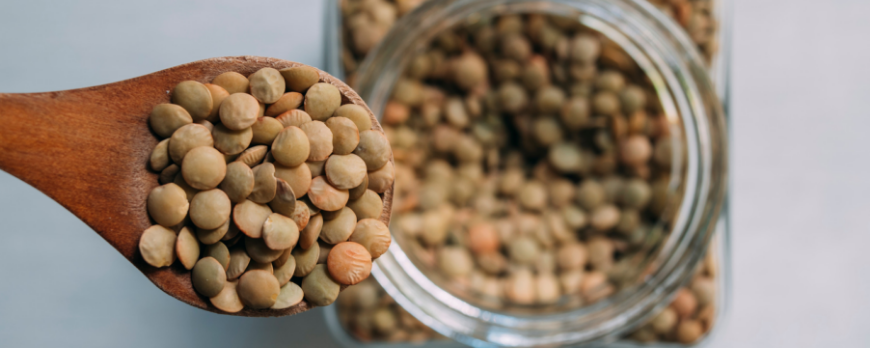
column 697, row 108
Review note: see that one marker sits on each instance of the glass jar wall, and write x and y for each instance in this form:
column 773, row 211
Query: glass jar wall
column 697, row 288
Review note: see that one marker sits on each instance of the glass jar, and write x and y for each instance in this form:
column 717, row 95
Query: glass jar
column 667, row 53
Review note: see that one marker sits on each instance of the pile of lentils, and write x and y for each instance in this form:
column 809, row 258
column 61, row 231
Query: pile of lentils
column 533, row 161
column 271, row 190
column 366, row 22
column 690, row 315
column 370, row 315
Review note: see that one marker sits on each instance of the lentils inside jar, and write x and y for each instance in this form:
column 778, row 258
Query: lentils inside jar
column 524, row 162
column 364, row 25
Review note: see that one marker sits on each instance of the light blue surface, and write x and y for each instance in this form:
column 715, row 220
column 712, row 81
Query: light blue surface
column 800, row 166
column 61, row 284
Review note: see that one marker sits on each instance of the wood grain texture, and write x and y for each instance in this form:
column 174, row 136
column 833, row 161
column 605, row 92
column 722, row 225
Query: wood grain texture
column 88, row 149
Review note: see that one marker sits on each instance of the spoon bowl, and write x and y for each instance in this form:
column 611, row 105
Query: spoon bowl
column 88, row 149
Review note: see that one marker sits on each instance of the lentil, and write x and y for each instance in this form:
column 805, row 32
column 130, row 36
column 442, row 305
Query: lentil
column 320, row 140
column 258, row 289
column 288, row 101
column 290, row 295
column 337, row 226
column 309, row 235
column 186, row 138
column 294, row 118
column 228, row 299
column 232, row 81
column 382, row 179
column 208, row 277
column 321, row 101
column 239, row 261
column 291, row 147
column 230, row 142
column 306, row 259
column 373, row 235
column 345, row 135
column 219, row 252
column 349, row 263
column 319, row 288
column 357, row 114
column 156, row 246
column 325, row 196
column 218, row 94
column 186, row 248
column 265, row 130
column 300, row 78
column 238, row 182
column 367, row 206
column 374, row 149
column 165, row 119
column 280, row 232
column 210, row 209
column 239, row 111
column 265, row 184
column 168, row 204
column 250, row 216
column 253, row 156
column 193, row 97
column 345, row 172
column 299, row 178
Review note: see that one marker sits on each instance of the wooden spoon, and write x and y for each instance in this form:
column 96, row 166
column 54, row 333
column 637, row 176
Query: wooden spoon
column 88, row 150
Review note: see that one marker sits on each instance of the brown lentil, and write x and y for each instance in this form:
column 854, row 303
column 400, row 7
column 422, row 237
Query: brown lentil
column 325, row 196
column 210, row 209
column 373, row 235
column 357, row 114
column 193, row 97
column 228, row 299
column 258, row 289
column 165, row 119
column 230, row 142
column 186, row 138
column 349, row 263
column 253, row 155
column 294, row 118
column 239, row 111
column 337, row 226
column 157, row 246
column 232, row 82
column 319, row 288
column 168, row 204
column 238, row 182
column 299, row 178
column 300, row 78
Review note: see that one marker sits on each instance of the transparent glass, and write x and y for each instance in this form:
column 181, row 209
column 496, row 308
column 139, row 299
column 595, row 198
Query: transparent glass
column 667, row 54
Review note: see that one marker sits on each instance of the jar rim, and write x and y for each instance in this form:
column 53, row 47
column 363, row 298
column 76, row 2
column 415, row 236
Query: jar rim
column 696, row 107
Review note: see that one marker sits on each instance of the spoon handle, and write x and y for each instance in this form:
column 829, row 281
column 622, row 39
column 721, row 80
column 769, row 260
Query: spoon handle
column 84, row 148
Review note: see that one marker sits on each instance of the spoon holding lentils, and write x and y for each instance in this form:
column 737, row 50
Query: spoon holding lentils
column 239, row 185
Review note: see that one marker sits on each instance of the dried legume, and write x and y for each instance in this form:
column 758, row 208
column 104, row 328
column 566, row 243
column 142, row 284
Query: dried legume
column 236, row 159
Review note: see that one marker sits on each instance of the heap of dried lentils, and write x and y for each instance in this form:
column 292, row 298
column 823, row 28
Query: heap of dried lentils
column 365, row 23
column 254, row 171
column 369, row 314
column 536, row 161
